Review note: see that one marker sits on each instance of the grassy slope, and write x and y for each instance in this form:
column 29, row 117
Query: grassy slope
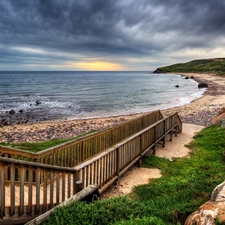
column 39, row 146
column 216, row 65
column 186, row 183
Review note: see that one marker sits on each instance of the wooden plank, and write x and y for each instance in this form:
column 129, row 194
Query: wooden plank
column 74, row 184
column 87, row 175
column 38, row 180
column 2, row 193
column 63, row 186
column 51, row 188
column 12, row 189
column 68, row 185
column 91, row 173
column 36, row 165
column 30, row 182
column 57, row 187
column 95, row 176
column 22, row 177
column 45, row 191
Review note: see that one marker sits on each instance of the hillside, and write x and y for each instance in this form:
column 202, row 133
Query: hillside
column 215, row 65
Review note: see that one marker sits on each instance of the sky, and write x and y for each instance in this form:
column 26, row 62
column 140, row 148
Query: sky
column 118, row 35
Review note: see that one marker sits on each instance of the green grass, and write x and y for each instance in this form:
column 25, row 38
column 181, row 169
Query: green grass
column 186, row 183
column 197, row 66
column 39, row 146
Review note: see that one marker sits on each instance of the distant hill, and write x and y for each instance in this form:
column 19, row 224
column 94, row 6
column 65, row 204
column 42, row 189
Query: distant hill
column 215, row 65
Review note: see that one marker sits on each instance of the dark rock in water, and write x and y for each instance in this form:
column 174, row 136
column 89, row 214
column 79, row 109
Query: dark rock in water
column 158, row 70
column 191, row 77
column 38, row 102
column 177, row 86
column 12, row 111
column 20, row 110
column 203, row 85
column 186, row 78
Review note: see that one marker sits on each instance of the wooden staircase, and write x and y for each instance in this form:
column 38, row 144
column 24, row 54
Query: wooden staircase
column 33, row 183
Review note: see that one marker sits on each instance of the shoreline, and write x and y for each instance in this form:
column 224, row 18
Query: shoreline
column 200, row 111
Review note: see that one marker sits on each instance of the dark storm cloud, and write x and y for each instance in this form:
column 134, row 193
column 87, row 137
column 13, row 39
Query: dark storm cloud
column 103, row 28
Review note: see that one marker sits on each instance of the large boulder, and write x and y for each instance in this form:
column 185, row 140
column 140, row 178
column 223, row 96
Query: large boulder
column 211, row 210
column 219, row 119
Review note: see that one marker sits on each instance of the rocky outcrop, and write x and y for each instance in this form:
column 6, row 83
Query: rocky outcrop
column 220, row 118
column 158, row 70
column 211, row 210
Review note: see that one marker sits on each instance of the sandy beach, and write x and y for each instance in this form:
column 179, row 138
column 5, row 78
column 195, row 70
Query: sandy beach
column 200, row 112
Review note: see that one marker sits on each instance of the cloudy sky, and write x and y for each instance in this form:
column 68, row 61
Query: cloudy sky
column 108, row 34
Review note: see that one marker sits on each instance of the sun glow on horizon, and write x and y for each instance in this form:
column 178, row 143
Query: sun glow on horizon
column 98, row 65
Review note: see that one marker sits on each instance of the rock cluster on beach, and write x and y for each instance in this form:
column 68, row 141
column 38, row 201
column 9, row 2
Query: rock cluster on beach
column 203, row 117
column 55, row 130
column 69, row 129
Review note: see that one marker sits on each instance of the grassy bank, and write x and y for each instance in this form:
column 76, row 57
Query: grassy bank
column 216, row 65
column 186, row 183
column 39, row 146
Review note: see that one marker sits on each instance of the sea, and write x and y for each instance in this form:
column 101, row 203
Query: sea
column 82, row 94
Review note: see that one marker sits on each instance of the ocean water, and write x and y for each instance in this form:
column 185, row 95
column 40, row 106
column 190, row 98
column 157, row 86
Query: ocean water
column 92, row 94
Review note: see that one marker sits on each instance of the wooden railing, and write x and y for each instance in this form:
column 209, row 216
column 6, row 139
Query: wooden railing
column 30, row 188
column 33, row 188
column 74, row 152
column 109, row 165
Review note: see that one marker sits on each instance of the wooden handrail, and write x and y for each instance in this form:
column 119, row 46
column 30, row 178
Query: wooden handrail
column 76, row 151
column 86, row 163
column 130, row 150
column 36, row 165
column 36, row 187
column 48, row 185
column 13, row 151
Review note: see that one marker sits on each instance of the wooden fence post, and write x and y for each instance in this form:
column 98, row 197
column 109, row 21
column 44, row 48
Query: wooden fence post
column 140, row 160
column 118, row 164
column 78, row 182
column 2, row 188
column 164, row 128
